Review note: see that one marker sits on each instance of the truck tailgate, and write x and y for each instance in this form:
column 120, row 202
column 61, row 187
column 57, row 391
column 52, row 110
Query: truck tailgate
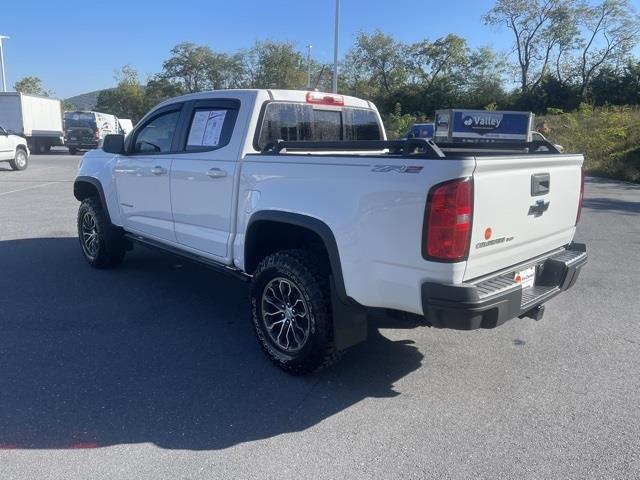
column 524, row 206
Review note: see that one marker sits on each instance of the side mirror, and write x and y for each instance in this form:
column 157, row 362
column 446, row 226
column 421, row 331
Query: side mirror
column 113, row 144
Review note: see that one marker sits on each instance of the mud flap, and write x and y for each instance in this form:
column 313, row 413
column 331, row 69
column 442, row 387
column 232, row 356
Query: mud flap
column 349, row 321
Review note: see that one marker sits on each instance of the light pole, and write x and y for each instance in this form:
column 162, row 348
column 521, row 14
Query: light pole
column 335, row 49
column 4, row 78
column 309, row 47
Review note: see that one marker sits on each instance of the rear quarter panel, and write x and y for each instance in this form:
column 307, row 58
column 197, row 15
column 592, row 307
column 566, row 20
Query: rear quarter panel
column 375, row 216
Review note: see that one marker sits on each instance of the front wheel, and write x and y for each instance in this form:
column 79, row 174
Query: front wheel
column 20, row 161
column 102, row 245
column 73, row 151
column 291, row 311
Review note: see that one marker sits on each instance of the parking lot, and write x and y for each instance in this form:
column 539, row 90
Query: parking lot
column 152, row 370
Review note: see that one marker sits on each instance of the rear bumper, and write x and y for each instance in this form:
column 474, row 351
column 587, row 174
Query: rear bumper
column 490, row 302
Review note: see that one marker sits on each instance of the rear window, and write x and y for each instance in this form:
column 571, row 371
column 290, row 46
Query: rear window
column 79, row 119
column 304, row 122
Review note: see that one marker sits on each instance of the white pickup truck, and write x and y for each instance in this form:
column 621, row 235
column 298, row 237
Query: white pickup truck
column 13, row 149
column 301, row 194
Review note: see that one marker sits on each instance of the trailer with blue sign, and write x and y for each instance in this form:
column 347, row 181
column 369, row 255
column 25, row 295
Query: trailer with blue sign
column 421, row 130
column 484, row 126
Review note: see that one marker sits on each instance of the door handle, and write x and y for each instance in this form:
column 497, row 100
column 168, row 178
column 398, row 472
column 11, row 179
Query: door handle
column 158, row 170
column 216, row 173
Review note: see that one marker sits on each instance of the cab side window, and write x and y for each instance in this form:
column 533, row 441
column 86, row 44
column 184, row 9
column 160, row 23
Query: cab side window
column 156, row 136
column 210, row 128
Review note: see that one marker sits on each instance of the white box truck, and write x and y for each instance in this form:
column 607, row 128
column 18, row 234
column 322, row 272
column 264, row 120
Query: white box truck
column 38, row 119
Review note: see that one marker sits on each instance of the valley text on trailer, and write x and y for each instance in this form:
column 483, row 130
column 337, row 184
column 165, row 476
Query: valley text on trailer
column 484, row 126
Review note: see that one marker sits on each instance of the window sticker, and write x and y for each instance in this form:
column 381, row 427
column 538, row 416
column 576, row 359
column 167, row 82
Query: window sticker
column 206, row 128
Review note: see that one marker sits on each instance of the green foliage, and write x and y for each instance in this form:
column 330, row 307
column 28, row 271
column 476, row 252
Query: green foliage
column 272, row 64
column 608, row 137
column 32, row 86
column 127, row 99
column 68, row 106
column 397, row 124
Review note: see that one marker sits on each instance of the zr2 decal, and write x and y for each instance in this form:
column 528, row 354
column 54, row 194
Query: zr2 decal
column 397, row 168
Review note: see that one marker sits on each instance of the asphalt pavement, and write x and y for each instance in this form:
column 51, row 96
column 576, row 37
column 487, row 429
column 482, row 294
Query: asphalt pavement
column 152, row 371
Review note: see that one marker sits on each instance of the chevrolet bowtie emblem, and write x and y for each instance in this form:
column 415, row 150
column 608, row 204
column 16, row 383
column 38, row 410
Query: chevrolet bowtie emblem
column 539, row 208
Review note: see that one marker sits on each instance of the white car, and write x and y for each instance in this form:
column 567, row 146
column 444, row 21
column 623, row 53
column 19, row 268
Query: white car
column 301, row 194
column 13, row 149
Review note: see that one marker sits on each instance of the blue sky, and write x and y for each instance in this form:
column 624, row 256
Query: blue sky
column 75, row 46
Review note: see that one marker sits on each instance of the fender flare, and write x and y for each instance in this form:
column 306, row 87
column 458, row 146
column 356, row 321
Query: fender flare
column 94, row 182
column 316, row 226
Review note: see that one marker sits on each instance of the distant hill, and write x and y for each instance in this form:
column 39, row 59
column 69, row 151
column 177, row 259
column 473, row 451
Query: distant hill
column 85, row 101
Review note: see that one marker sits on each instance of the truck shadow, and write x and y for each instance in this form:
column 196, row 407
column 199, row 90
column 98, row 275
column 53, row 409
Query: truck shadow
column 157, row 351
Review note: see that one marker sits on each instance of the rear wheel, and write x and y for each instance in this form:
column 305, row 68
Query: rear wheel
column 20, row 161
column 103, row 246
column 291, row 311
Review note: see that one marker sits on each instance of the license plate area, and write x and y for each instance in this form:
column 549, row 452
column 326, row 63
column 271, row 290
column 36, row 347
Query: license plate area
column 525, row 277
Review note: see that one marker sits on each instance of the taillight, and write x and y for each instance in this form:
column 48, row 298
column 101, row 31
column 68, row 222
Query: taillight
column 96, row 134
column 325, row 99
column 448, row 219
column 581, row 197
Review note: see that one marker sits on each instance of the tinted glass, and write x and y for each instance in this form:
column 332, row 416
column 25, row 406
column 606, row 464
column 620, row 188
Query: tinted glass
column 361, row 124
column 303, row 122
column 157, row 135
column 79, row 120
column 286, row 121
column 326, row 125
column 210, row 128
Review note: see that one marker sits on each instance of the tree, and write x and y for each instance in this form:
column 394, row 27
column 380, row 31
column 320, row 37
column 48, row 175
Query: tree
column 445, row 57
column 158, row 89
column 32, row 86
column 272, row 64
column 126, row 100
column 611, row 31
column 378, row 63
column 224, row 71
column 538, row 27
column 483, row 79
column 189, row 66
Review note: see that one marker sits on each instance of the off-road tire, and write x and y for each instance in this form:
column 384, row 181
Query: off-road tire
column 307, row 270
column 20, row 161
column 110, row 247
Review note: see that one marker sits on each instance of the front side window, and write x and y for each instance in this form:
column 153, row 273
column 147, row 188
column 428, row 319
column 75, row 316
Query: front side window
column 157, row 135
